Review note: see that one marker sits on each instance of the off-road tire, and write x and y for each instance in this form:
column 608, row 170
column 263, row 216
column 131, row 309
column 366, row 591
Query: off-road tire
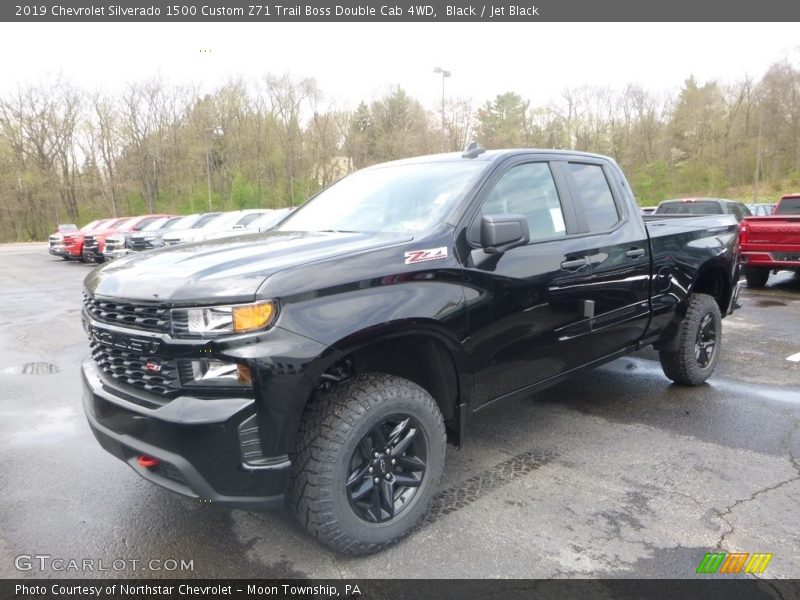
column 332, row 427
column 682, row 365
column 756, row 276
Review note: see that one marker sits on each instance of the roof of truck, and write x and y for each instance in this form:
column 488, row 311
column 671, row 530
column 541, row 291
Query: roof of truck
column 486, row 156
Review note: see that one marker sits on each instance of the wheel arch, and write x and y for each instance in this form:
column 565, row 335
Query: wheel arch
column 712, row 278
column 422, row 351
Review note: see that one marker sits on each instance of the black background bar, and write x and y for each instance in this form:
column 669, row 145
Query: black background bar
column 730, row 588
column 261, row 11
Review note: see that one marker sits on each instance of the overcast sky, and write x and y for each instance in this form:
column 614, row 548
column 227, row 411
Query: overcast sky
column 355, row 61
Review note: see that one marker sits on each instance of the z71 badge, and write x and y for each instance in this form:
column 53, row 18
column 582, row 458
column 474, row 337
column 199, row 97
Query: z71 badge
column 418, row 256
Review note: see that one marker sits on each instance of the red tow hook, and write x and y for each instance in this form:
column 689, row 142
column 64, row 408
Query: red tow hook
column 148, row 462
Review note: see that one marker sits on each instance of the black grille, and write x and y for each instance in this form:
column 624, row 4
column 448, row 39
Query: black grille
column 132, row 369
column 139, row 244
column 89, row 241
column 137, row 316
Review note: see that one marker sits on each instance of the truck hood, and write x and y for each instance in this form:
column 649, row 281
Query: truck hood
column 224, row 270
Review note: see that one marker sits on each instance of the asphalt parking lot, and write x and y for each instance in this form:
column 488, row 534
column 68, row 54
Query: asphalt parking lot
column 616, row 473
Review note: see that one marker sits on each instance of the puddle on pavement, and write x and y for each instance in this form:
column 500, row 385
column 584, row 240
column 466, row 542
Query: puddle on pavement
column 32, row 368
column 770, row 303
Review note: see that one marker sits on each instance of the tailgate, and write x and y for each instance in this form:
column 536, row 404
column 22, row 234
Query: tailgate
column 773, row 230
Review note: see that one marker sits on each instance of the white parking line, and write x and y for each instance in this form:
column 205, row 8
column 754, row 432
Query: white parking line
column 794, row 357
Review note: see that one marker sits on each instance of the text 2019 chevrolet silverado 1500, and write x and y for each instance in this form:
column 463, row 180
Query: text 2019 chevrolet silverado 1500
column 771, row 243
column 330, row 359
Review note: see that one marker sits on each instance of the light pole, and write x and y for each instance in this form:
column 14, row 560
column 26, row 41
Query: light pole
column 445, row 73
column 209, row 131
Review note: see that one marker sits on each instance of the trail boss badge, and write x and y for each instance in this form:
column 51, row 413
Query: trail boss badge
column 418, row 256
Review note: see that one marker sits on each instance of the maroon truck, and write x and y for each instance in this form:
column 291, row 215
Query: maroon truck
column 771, row 243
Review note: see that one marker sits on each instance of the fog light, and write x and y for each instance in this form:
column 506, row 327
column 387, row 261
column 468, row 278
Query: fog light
column 214, row 373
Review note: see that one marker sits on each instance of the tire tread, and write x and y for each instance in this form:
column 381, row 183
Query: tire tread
column 325, row 427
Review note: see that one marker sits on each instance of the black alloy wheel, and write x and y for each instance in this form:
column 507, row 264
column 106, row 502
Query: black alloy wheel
column 386, row 469
column 706, row 341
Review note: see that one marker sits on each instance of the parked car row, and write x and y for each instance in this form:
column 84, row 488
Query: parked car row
column 769, row 233
column 107, row 239
column 703, row 206
column 710, row 206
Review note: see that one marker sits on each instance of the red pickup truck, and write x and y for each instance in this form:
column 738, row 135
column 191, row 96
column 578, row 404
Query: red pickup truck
column 73, row 241
column 94, row 242
column 771, row 243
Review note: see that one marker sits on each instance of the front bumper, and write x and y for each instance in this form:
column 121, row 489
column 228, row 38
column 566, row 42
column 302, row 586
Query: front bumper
column 57, row 250
column 198, row 442
column 92, row 254
column 117, row 253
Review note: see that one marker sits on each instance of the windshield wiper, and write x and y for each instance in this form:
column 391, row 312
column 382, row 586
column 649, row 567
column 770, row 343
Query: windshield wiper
column 337, row 231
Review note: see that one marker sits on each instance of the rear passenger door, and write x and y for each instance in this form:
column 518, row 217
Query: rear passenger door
column 611, row 276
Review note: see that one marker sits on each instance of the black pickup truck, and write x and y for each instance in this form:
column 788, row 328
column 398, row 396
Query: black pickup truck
column 328, row 362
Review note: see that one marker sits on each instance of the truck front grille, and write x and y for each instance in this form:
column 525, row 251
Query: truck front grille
column 148, row 373
column 137, row 316
column 89, row 241
column 139, row 244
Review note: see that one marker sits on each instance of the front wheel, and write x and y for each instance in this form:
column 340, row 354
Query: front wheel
column 699, row 343
column 368, row 461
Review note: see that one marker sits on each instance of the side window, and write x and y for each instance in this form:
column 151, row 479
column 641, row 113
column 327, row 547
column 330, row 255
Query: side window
column 741, row 211
column 595, row 196
column 528, row 189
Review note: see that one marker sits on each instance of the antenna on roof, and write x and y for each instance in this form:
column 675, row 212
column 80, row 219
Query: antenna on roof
column 473, row 149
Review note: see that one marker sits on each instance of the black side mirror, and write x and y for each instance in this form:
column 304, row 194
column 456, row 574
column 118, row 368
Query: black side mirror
column 501, row 233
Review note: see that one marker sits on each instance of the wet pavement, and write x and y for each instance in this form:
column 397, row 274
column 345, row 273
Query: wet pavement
column 615, row 473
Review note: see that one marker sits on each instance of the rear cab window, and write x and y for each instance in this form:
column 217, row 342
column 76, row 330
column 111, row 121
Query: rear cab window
column 788, row 206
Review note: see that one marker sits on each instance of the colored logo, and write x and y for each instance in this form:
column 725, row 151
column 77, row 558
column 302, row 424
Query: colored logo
column 734, row 562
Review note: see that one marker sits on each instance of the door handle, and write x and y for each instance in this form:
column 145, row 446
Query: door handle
column 574, row 263
column 635, row 253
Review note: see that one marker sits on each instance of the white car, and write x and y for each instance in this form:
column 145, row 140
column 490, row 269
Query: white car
column 205, row 228
column 254, row 223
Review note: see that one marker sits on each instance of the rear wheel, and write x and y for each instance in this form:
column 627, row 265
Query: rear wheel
column 756, row 276
column 368, row 462
column 699, row 341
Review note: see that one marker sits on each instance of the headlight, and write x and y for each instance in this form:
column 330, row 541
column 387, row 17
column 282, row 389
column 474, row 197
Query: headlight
column 212, row 321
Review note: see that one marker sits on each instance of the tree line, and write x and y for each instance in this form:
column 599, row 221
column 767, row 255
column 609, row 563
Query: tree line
column 67, row 155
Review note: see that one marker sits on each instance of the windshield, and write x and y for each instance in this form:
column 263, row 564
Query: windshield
column 205, row 220
column 92, row 225
column 247, row 219
column 407, row 198
column 184, row 222
column 270, row 219
column 154, row 224
column 788, row 206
